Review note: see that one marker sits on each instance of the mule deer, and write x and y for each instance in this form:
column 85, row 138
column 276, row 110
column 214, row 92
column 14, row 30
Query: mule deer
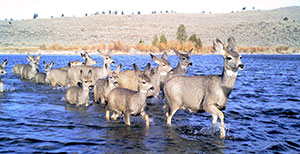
column 41, row 77
column 128, row 79
column 159, row 73
column 98, row 73
column 129, row 102
column 182, row 66
column 103, row 86
column 57, row 77
column 80, row 95
column 2, row 72
column 205, row 93
column 89, row 61
column 29, row 70
column 17, row 69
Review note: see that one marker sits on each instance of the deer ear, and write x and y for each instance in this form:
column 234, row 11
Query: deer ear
column 147, row 70
column 190, row 51
column 231, row 44
column 177, row 52
column 136, row 70
column 118, row 68
column 90, row 73
column 51, row 64
column 164, row 56
column 4, row 63
column 219, row 47
column 155, row 58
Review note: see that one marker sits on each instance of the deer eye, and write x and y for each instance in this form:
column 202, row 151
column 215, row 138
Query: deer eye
column 241, row 57
column 228, row 58
column 85, row 81
column 144, row 82
column 183, row 58
column 106, row 58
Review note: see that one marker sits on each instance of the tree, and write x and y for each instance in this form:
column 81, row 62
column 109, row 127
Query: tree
column 181, row 33
column 35, row 16
column 193, row 38
column 155, row 41
column 196, row 41
column 141, row 41
column 163, row 39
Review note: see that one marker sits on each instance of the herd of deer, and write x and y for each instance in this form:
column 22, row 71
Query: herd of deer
column 125, row 92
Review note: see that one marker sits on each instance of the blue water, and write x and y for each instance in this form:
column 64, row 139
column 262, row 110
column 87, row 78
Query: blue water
column 262, row 114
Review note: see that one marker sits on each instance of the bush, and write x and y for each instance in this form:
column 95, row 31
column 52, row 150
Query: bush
column 181, row 34
column 155, row 41
column 43, row 47
column 163, row 39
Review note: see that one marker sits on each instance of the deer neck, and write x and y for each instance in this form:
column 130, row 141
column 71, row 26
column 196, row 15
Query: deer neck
column 142, row 94
column 180, row 68
column 228, row 79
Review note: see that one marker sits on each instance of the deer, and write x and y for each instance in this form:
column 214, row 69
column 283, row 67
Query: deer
column 89, row 61
column 129, row 102
column 41, row 77
column 98, row 73
column 103, row 86
column 206, row 93
column 29, row 70
column 80, row 95
column 128, row 78
column 17, row 69
column 2, row 72
column 182, row 65
column 57, row 77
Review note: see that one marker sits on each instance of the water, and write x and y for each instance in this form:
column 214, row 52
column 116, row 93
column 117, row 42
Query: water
column 262, row 114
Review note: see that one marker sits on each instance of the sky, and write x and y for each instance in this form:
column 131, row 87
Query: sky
column 25, row 9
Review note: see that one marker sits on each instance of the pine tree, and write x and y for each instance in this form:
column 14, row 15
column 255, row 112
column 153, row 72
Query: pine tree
column 155, row 41
column 181, row 34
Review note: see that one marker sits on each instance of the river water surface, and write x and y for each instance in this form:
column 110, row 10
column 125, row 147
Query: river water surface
column 262, row 114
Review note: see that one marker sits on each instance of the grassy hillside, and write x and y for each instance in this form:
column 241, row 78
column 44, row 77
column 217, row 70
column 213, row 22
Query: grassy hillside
column 253, row 30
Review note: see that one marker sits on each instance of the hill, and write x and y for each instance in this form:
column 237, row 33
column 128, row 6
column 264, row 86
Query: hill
column 257, row 28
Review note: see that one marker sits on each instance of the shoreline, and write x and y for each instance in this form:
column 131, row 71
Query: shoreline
column 73, row 53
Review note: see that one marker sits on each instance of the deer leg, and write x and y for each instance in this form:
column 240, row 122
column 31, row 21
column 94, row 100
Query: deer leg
column 102, row 100
column 214, row 118
column 172, row 111
column 107, row 114
column 1, row 87
column 146, row 117
column 127, row 119
column 115, row 116
column 216, row 113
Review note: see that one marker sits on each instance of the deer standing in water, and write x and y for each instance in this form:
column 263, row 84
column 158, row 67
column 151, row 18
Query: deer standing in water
column 42, row 77
column 80, row 95
column 98, row 73
column 2, row 72
column 205, row 93
column 103, row 86
column 129, row 102
column 29, row 70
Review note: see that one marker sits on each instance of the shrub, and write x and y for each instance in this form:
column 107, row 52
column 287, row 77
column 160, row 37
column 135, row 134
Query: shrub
column 101, row 47
column 56, row 46
column 163, row 39
column 155, row 41
column 281, row 48
column 43, row 47
column 181, row 34
column 118, row 46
